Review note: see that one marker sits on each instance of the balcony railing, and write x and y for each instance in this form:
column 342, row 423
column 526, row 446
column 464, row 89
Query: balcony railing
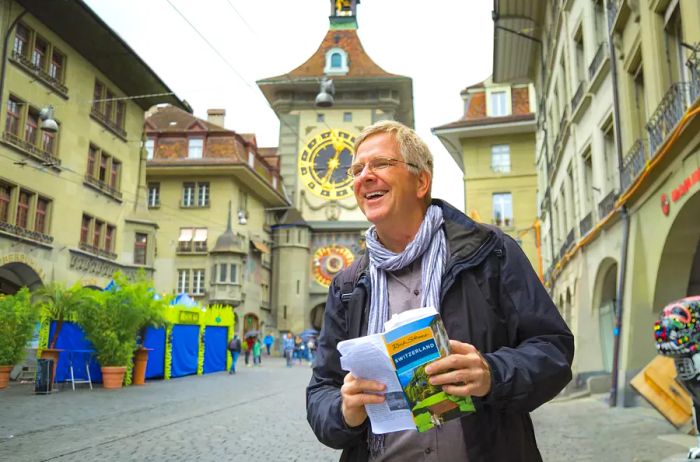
column 633, row 163
column 44, row 157
column 567, row 244
column 597, row 60
column 107, row 122
column 606, row 205
column 669, row 112
column 577, row 96
column 586, row 224
column 102, row 186
column 97, row 251
column 544, row 205
column 25, row 233
column 613, row 7
column 26, row 64
column 694, row 67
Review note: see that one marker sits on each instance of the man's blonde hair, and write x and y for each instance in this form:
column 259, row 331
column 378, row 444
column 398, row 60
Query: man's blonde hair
column 411, row 147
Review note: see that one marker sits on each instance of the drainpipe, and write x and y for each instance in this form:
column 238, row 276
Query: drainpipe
column 625, row 222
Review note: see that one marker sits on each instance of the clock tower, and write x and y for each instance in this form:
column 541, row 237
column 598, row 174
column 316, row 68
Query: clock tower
column 324, row 231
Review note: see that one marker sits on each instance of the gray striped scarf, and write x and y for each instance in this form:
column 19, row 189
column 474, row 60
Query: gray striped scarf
column 430, row 244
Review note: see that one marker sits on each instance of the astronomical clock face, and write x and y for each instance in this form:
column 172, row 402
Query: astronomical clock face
column 324, row 162
column 328, row 261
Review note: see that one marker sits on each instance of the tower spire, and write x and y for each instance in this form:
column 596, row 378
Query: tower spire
column 344, row 14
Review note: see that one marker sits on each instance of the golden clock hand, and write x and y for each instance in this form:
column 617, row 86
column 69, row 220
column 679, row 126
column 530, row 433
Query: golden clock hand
column 333, row 163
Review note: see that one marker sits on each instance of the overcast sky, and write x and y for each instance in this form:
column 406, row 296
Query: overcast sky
column 443, row 45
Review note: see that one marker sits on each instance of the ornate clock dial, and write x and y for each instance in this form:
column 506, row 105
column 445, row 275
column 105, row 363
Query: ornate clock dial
column 329, row 260
column 323, row 164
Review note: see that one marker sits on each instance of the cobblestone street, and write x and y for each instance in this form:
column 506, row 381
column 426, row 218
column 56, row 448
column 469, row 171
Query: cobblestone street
column 258, row 415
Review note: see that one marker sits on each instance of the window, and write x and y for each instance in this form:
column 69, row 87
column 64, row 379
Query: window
column 234, row 274
column 183, row 281
column 203, row 194
column 109, row 238
column 13, row 116
column 195, row 194
column 39, row 53
column 5, row 194
column 31, row 126
column 92, row 158
column 21, row 42
column 228, row 273
column 502, row 209
column 194, row 148
column 320, row 117
column 499, row 106
column 42, row 209
column 48, row 142
column 150, row 146
column 222, row 272
column 153, row 194
column 97, row 233
column 192, row 240
column 140, row 248
column 336, row 60
column 198, row 282
column 103, row 171
column 108, row 109
column 114, row 174
column 500, row 158
column 187, row 194
column 23, row 209
column 56, row 66
column 85, row 229
column 347, row 116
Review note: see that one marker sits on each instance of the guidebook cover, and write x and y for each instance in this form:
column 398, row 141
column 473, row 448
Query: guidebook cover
column 411, row 347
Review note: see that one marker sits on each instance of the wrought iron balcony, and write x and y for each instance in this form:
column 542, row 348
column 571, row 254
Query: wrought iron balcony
column 693, row 64
column 567, row 244
column 606, row 205
column 43, row 76
column 613, row 8
column 600, row 55
column 577, row 96
column 102, row 186
column 544, row 205
column 46, row 158
column 97, row 251
column 586, row 224
column 633, row 163
column 668, row 113
column 108, row 123
column 25, row 233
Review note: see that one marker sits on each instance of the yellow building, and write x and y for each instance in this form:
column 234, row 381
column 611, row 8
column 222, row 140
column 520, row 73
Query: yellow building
column 494, row 145
column 72, row 190
column 617, row 144
column 214, row 197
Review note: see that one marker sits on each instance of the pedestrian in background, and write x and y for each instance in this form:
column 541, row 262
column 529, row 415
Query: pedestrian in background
column 311, row 348
column 298, row 349
column 246, row 352
column 234, row 346
column 257, row 347
column 510, row 349
column 269, row 340
column 288, row 348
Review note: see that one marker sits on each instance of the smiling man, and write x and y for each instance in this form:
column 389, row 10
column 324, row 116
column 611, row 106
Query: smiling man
column 510, row 349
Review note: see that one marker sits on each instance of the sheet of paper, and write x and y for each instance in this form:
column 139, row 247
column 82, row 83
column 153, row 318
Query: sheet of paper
column 366, row 358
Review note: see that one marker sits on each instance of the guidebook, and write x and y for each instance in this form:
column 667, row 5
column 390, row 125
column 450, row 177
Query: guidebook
column 397, row 358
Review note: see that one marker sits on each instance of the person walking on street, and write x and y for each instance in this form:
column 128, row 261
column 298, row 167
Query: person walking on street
column 288, row 348
column 234, row 346
column 257, row 347
column 268, row 340
column 298, row 349
column 246, row 352
column 510, row 349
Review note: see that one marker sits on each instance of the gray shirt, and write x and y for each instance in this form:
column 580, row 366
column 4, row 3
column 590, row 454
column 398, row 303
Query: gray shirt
column 445, row 443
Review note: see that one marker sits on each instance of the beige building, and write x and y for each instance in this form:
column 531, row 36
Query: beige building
column 617, row 158
column 323, row 232
column 494, row 144
column 72, row 176
column 214, row 195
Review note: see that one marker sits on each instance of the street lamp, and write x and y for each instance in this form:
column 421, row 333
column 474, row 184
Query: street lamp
column 48, row 124
column 325, row 94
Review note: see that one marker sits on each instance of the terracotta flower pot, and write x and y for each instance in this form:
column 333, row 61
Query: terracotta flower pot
column 140, row 361
column 113, row 377
column 5, row 376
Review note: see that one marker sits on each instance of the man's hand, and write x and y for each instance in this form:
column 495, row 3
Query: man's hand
column 463, row 373
column 354, row 394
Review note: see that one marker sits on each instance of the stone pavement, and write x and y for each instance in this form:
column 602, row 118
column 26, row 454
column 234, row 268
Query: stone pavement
column 258, row 415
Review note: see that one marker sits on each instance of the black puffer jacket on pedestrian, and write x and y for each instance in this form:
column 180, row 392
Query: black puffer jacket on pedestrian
column 492, row 299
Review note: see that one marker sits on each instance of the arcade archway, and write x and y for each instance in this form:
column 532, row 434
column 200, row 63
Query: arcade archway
column 15, row 275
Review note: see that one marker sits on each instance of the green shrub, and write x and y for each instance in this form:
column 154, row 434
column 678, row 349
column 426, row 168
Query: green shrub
column 18, row 317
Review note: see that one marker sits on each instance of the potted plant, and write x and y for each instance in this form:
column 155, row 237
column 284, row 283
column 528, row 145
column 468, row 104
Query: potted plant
column 57, row 303
column 18, row 317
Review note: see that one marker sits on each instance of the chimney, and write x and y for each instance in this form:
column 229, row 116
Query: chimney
column 216, row 116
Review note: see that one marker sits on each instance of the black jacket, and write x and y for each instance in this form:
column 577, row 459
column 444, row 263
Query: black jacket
column 492, row 299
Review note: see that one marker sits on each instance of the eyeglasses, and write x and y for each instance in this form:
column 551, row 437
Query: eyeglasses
column 378, row 163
